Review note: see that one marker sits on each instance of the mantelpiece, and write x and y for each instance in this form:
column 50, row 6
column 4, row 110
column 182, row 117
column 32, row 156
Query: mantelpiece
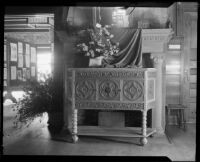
column 111, row 89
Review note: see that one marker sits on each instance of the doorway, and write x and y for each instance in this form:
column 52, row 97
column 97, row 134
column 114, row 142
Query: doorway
column 33, row 30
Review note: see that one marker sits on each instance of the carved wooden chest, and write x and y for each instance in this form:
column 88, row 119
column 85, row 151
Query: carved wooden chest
column 112, row 89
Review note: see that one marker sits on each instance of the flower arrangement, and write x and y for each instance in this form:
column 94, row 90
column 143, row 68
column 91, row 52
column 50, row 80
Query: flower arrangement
column 38, row 99
column 100, row 44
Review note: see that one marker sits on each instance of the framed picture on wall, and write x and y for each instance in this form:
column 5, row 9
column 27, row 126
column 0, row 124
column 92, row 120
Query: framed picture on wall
column 33, row 71
column 24, row 74
column 5, row 53
column 17, row 61
column 19, row 75
column 27, row 49
column 33, row 55
column 20, row 60
column 13, row 73
column 20, row 47
column 27, row 60
column 28, row 74
column 13, row 52
column 4, row 83
column 5, row 73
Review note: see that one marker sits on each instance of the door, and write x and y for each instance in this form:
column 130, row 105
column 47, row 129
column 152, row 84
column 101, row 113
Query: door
column 189, row 62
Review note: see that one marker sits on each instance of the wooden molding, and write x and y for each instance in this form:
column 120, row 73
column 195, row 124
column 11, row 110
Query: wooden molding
column 189, row 6
column 153, row 40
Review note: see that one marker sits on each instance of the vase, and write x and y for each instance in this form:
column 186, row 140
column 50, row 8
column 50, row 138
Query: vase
column 96, row 62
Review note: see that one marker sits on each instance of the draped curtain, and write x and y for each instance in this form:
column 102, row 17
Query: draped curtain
column 130, row 41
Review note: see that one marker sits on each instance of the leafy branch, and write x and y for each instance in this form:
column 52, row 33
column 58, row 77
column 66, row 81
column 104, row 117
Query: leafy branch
column 37, row 99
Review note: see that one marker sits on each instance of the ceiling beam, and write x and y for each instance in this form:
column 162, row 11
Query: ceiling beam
column 28, row 15
column 29, row 10
column 26, row 30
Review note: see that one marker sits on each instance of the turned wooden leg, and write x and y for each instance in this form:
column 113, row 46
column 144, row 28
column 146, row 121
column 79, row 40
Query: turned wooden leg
column 144, row 140
column 74, row 126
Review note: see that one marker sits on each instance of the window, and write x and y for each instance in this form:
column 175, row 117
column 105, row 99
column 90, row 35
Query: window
column 44, row 59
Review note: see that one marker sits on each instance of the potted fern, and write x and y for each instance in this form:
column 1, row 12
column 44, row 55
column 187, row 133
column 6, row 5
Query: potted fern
column 38, row 99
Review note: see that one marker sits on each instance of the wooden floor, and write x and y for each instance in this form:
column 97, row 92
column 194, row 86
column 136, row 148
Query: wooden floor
column 37, row 140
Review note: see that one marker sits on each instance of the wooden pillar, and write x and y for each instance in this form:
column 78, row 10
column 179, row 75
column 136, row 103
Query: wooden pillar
column 157, row 123
column 58, row 66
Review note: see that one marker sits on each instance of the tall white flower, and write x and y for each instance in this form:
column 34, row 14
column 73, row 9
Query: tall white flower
column 85, row 48
column 111, row 36
column 98, row 25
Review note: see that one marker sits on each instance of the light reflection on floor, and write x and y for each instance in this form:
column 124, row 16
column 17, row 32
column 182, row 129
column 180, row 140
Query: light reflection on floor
column 16, row 94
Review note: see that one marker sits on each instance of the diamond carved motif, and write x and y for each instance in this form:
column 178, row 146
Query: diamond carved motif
column 132, row 90
column 85, row 90
column 109, row 90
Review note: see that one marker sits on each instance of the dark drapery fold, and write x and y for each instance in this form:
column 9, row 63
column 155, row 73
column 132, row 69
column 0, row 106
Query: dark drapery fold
column 130, row 41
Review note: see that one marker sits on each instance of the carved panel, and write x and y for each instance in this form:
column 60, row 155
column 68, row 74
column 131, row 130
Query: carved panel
column 110, row 74
column 153, row 40
column 157, row 38
column 151, row 74
column 109, row 105
column 132, row 90
column 109, row 90
column 85, row 90
column 151, row 90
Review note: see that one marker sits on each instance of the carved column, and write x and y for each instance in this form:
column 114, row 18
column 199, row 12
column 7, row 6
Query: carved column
column 157, row 115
